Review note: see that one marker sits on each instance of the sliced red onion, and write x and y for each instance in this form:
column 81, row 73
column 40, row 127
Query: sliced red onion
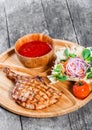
column 76, row 67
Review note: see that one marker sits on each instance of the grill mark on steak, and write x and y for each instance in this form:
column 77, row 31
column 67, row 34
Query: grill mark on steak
column 32, row 92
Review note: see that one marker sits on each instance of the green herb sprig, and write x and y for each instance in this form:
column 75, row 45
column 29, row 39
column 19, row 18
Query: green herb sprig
column 86, row 54
column 57, row 73
column 68, row 55
column 89, row 76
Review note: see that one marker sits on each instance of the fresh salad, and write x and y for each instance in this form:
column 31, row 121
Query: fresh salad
column 72, row 65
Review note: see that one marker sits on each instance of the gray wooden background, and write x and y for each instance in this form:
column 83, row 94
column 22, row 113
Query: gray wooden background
column 64, row 19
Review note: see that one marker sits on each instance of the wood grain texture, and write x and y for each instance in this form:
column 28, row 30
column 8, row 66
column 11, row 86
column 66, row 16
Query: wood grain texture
column 8, row 121
column 3, row 29
column 72, row 25
column 55, row 123
column 63, row 27
column 81, row 15
column 82, row 117
column 58, row 19
column 53, row 28
column 67, row 102
column 24, row 17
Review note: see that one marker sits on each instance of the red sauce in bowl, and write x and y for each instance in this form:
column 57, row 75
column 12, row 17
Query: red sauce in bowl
column 34, row 49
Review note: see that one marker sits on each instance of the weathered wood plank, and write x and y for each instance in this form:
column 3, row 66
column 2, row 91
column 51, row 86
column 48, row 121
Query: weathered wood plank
column 58, row 20
column 86, row 115
column 3, row 29
column 8, row 121
column 27, row 17
column 56, row 10
column 77, row 122
column 56, row 123
column 81, row 15
column 82, row 119
column 23, row 18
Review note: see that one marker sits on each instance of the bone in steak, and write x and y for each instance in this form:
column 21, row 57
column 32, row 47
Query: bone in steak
column 32, row 92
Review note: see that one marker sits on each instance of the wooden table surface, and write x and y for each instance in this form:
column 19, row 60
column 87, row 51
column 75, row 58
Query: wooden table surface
column 63, row 19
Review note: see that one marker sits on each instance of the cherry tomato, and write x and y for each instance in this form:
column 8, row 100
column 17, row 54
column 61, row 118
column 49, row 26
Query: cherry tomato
column 81, row 89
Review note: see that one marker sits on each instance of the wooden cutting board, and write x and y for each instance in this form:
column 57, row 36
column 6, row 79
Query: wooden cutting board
column 66, row 104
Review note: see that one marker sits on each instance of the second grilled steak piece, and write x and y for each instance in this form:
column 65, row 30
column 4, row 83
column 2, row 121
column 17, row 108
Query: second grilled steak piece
column 32, row 92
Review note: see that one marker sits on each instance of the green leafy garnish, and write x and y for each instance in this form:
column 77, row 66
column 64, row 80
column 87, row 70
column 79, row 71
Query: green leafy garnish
column 88, row 70
column 61, row 78
column 62, row 60
column 72, row 55
column 57, row 73
column 66, row 52
column 68, row 55
column 89, row 58
column 89, row 76
column 86, row 53
column 58, row 68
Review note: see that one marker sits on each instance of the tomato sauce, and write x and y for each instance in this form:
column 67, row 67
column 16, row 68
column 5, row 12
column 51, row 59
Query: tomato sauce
column 34, row 49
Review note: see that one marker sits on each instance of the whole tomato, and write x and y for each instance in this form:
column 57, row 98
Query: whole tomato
column 81, row 89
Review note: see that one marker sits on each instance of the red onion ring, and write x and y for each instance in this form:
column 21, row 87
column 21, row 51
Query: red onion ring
column 76, row 67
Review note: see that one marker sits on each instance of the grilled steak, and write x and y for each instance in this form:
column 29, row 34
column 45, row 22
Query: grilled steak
column 32, row 92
